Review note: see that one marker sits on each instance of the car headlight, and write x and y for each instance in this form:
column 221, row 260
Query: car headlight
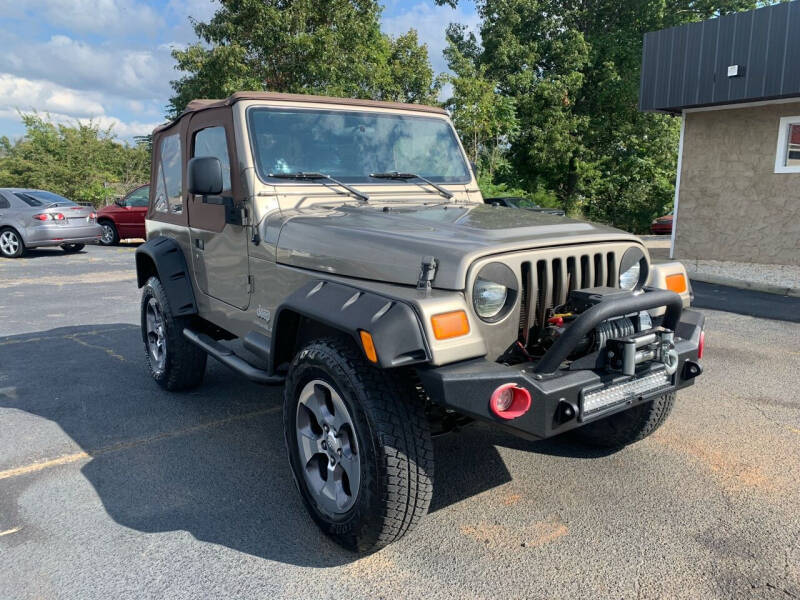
column 633, row 269
column 489, row 298
column 494, row 292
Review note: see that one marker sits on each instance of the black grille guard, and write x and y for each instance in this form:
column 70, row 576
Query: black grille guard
column 608, row 309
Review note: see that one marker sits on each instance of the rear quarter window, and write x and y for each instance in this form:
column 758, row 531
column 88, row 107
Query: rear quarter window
column 169, row 193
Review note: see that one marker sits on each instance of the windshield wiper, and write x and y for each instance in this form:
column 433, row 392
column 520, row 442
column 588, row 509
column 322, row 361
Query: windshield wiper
column 396, row 175
column 315, row 176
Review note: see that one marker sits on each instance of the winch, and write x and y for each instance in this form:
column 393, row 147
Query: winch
column 622, row 342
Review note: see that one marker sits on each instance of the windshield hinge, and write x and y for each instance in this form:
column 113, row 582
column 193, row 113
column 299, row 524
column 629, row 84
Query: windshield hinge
column 427, row 272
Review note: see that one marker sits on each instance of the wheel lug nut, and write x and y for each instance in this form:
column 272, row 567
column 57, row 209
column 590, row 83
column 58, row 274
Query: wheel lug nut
column 326, row 428
column 339, row 452
column 324, row 445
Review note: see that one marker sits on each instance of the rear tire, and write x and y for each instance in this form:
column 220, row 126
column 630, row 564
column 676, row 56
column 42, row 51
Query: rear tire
column 11, row 244
column 175, row 363
column 629, row 426
column 72, row 248
column 110, row 235
column 369, row 416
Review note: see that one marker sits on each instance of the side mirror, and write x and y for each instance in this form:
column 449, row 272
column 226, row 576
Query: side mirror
column 205, row 176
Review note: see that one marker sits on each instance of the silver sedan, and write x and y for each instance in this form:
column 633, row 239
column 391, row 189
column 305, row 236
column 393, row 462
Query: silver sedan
column 35, row 218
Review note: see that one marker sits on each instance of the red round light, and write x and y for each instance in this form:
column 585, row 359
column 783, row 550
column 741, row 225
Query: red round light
column 701, row 346
column 58, row 217
column 510, row 401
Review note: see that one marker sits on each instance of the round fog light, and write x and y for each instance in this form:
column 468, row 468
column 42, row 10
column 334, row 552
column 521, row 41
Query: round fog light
column 510, row 401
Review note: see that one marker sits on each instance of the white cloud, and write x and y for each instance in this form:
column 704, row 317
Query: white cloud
column 62, row 105
column 106, row 17
column 126, row 129
column 45, row 96
column 128, row 73
column 430, row 22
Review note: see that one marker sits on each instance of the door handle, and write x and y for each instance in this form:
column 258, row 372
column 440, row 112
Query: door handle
column 199, row 243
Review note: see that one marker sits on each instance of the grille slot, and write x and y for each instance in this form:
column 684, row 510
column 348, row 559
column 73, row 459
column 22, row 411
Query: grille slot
column 547, row 283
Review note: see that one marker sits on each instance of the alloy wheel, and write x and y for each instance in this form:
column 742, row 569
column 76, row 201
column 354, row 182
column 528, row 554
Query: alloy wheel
column 328, row 450
column 108, row 234
column 156, row 334
column 9, row 243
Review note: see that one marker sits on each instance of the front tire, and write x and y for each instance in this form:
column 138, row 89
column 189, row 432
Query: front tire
column 11, row 244
column 359, row 446
column 110, row 235
column 72, row 248
column 629, row 426
column 175, row 363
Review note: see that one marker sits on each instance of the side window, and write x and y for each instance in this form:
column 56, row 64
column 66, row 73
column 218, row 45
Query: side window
column 4, row 203
column 213, row 142
column 168, row 176
column 138, row 197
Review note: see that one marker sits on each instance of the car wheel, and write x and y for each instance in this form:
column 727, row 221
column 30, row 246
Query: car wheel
column 72, row 248
column 11, row 244
column 110, row 235
column 359, row 446
column 629, row 426
column 175, row 363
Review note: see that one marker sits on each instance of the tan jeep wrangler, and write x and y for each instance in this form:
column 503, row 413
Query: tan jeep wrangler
column 342, row 249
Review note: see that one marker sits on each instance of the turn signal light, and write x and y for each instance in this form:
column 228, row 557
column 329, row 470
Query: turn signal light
column 510, row 401
column 677, row 283
column 701, row 346
column 369, row 346
column 41, row 217
column 450, row 325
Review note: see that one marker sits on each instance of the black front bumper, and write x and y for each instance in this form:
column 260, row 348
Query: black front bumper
column 557, row 398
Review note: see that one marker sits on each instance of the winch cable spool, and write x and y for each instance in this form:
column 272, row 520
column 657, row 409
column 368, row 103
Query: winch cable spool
column 613, row 328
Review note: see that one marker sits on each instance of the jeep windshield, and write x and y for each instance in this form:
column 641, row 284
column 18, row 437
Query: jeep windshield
column 352, row 145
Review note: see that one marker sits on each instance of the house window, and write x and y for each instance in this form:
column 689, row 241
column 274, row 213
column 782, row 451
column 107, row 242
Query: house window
column 788, row 157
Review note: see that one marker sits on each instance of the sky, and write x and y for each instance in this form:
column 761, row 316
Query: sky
column 109, row 60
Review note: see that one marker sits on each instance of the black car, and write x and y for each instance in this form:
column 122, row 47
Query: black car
column 518, row 202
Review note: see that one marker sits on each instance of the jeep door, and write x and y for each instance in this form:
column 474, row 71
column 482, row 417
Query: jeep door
column 219, row 246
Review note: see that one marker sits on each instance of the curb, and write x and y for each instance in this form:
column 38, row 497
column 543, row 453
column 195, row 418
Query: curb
column 744, row 285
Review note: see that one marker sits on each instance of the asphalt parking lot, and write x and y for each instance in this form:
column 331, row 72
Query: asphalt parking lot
column 112, row 488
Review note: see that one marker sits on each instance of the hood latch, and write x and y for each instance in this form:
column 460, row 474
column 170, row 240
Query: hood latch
column 427, row 272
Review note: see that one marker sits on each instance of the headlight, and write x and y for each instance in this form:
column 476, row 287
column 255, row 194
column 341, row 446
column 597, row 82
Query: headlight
column 633, row 269
column 489, row 298
column 494, row 292
column 629, row 279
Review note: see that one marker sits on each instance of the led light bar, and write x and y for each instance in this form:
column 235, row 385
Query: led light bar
column 597, row 401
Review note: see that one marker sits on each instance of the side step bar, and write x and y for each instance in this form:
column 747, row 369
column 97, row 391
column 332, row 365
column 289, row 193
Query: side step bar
column 229, row 359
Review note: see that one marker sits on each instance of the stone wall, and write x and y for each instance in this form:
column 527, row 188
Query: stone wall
column 732, row 204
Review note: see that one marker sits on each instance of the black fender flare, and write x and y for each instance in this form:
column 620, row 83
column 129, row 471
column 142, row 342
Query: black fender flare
column 394, row 325
column 162, row 257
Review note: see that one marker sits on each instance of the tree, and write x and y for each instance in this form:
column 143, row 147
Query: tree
column 572, row 68
column 485, row 119
column 330, row 47
column 77, row 160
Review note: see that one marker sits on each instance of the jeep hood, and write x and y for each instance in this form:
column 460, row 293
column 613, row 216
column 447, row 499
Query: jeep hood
column 387, row 243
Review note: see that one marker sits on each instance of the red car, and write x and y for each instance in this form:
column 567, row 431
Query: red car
column 125, row 218
column 662, row 225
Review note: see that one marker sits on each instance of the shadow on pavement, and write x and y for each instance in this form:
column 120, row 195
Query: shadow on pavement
column 211, row 461
column 48, row 252
column 746, row 302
